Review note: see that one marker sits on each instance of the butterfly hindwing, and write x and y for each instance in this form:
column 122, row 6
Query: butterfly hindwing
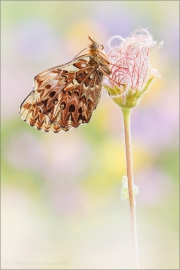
column 64, row 96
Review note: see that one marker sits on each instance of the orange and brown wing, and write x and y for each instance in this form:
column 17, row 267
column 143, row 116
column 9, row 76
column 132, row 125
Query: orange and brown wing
column 64, row 96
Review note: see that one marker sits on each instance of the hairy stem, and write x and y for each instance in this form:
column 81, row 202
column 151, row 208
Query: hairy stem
column 126, row 119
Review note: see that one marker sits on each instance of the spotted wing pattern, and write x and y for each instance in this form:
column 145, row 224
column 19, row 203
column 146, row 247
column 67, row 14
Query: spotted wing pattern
column 65, row 96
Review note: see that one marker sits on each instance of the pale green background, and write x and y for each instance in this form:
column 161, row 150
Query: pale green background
column 61, row 192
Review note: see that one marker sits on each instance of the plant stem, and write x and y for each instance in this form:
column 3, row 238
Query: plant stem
column 126, row 119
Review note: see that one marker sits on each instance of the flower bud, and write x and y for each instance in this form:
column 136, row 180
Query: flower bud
column 131, row 72
column 124, row 189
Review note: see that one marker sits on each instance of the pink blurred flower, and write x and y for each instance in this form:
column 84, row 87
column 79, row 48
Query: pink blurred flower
column 130, row 60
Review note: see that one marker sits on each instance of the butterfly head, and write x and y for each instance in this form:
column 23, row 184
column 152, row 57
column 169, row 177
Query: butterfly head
column 95, row 46
column 96, row 49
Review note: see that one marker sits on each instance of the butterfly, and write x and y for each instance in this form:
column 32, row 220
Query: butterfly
column 65, row 96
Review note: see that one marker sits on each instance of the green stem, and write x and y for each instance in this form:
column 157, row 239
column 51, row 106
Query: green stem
column 126, row 118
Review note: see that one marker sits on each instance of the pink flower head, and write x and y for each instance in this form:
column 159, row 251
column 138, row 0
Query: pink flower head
column 130, row 60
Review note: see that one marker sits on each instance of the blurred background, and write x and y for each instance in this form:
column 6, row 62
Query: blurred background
column 61, row 204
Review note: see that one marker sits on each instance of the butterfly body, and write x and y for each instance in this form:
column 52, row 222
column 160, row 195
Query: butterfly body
column 65, row 96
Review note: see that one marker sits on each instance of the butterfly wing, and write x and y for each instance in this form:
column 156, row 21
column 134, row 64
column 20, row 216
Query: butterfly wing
column 64, row 96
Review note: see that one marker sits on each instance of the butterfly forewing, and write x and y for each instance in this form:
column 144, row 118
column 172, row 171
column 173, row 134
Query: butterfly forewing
column 64, row 96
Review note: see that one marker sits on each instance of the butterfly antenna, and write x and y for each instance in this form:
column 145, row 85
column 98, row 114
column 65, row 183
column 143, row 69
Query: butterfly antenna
column 79, row 53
